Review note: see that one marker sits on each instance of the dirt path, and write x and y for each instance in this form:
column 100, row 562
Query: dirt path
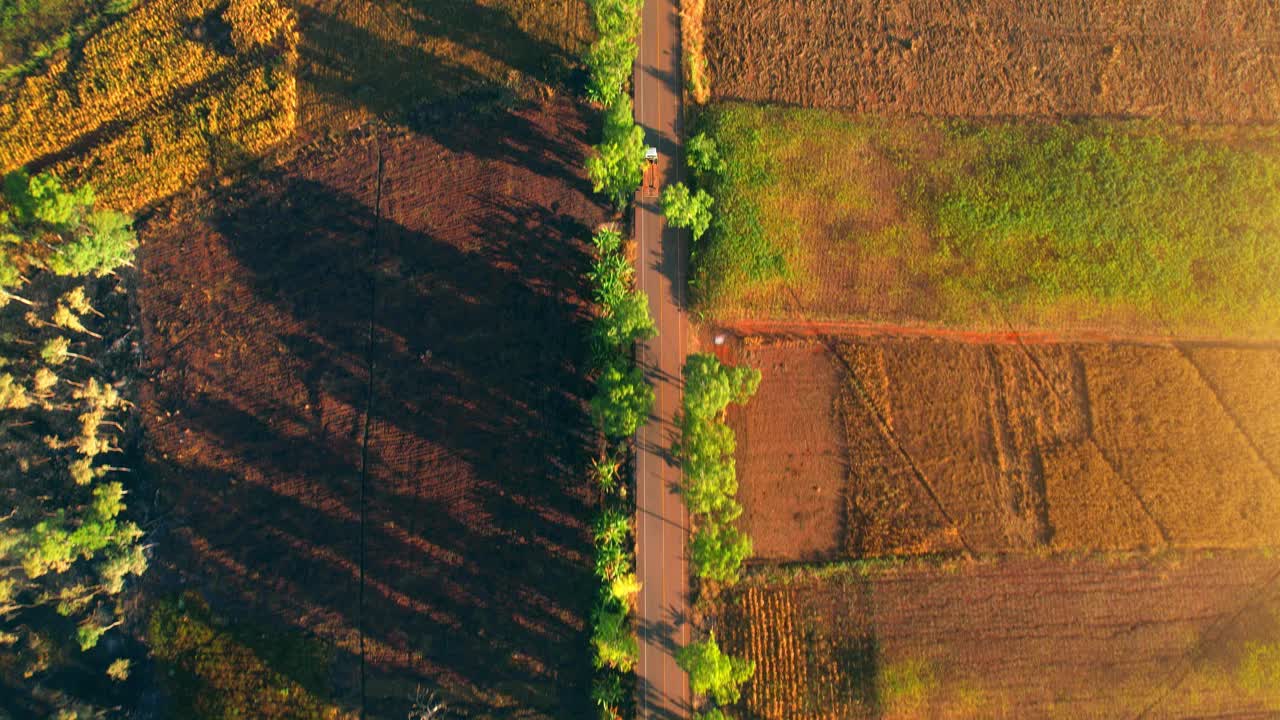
column 662, row 522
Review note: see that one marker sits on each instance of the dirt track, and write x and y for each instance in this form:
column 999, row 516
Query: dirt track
column 1018, row 638
column 462, row 252
column 1176, row 59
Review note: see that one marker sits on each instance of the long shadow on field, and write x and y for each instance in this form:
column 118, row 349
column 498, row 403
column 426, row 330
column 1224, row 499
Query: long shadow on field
column 433, row 95
column 475, row 555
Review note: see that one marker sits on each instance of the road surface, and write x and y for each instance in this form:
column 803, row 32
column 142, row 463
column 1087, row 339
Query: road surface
column 662, row 524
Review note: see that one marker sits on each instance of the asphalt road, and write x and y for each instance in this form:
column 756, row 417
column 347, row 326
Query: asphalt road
column 662, row 521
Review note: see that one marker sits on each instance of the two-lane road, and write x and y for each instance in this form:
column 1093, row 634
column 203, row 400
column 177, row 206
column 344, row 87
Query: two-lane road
column 662, row 522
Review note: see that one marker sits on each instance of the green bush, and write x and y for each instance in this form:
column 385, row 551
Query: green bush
column 614, row 643
column 713, row 672
column 610, row 59
column 687, row 210
column 718, row 550
column 702, row 155
column 622, row 401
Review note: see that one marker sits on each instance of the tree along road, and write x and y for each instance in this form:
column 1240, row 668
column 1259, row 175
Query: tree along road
column 662, row 523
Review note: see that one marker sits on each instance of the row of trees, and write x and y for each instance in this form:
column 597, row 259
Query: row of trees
column 63, row 543
column 717, row 548
column 623, row 399
column 616, row 166
column 622, row 402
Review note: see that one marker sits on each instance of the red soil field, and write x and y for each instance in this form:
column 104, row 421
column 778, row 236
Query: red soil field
column 791, row 455
column 959, row 446
column 1175, row 59
column 366, row 367
column 1018, row 638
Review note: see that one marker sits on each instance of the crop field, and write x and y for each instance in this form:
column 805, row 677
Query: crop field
column 1175, row 59
column 1180, row 635
column 450, row 478
column 160, row 96
column 407, row 62
column 1132, row 227
column 952, row 446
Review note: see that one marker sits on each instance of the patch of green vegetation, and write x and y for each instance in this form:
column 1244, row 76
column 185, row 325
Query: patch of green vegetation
column 1259, row 670
column 1092, row 219
column 905, row 687
column 219, row 670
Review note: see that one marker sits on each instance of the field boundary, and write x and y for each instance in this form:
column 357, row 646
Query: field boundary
column 800, row 328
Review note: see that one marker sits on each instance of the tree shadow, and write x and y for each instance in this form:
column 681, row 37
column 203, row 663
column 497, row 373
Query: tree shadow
column 376, row 431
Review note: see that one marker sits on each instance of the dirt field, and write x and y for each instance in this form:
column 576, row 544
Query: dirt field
column 1106, row 637
column 791, row 455
column 1001, row 447
column 1182, row 60
column 453, row 473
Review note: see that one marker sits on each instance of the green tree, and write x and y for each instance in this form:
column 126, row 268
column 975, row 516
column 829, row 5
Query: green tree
column 616, row 167
column 622, row 401
column 614, row 643
column 714, row 673
column 718, row 551
column 687, row 210
column 709, row 386
column 623, row 321
column 703, row 156
column 609, row 62
column 45, row 226
column 106, row 243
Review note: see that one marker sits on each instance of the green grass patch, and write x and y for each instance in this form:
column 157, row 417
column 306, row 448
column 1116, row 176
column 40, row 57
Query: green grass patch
column 941, row 221
column 216, row 669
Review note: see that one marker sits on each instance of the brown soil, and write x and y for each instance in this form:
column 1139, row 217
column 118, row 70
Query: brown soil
column 415, row 496
column 1182, row 60
column 1017, row 638
column 791, row 455
column 1000, row 447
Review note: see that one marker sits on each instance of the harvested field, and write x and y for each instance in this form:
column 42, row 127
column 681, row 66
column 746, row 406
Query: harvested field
column 408, row 62
column 1006, row 447
column 168, row 93
column 793, row 447
column 1087, row 226
column 1174, row 59
column 1174, row 636
column 438, row 463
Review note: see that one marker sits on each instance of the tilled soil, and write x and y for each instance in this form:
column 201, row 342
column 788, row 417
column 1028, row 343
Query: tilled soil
column 1015, row 638
column 794, row 452
column 365, row 414
column 1174, row 59
column 957, row 447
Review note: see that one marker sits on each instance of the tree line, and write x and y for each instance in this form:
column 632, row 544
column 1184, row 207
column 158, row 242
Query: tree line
column 64, row 543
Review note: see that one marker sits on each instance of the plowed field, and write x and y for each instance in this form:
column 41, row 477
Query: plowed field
column 1176, row 59
column 1001, row 447
column 1176, row 636
column 365, row 412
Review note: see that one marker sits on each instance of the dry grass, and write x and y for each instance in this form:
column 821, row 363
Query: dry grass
column 695, row 58
column 1038, row 448
column 170, row 92
column 1105, row 636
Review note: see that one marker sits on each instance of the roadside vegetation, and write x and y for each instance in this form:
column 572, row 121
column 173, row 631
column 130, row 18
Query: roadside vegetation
column 1092, row 221
column 616, row 168
column 67, row 546
column 623, row 398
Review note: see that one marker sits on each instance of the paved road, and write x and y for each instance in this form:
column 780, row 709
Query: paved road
column 662, row 522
